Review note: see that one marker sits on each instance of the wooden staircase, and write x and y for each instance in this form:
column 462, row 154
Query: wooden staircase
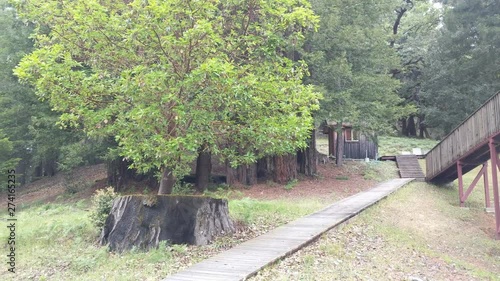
column 409, row 167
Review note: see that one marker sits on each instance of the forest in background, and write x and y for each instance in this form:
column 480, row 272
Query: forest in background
column 412, row 68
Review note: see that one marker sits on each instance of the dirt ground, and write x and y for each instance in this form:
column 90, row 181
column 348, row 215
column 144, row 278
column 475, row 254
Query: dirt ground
column 79, row 184
column 331, row 183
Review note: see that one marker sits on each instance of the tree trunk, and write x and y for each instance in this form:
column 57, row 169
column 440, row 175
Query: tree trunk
column 412, row 130
column 250, row 173
column 203, row 169
column 339, row 160
column 404, row 127
column 421, row 126
column 142, row 222
column 231, row 177
column 167, row 182
column 332, row 147
column 245, row 174
column 264, row 166
column 285, row 168
column 119, row 173
column 307, row 158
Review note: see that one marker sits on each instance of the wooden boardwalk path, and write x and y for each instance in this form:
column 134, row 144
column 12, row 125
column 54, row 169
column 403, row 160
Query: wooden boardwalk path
column 248, row 258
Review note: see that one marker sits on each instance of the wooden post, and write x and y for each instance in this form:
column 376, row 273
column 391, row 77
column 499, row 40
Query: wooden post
column 494, row 178
column 473, row 184
column 460, row 183
column 486, row 186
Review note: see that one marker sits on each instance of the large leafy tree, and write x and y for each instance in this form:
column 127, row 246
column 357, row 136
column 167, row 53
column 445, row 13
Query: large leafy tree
column 413, row 29
column 171, row 80
column 464, row 62
column 351, row 61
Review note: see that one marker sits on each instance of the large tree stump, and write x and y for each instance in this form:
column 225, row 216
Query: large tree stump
column 143, row 221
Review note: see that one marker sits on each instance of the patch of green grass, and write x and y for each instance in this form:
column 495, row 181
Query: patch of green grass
column 291, row 184
column 224, row 192
column 388, row 145
column 273, row 212
column 380, row 170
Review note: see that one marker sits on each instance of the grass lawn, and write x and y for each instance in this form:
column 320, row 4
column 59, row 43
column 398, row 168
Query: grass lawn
column 395, row 145
column 57, row 242
column 420, row 231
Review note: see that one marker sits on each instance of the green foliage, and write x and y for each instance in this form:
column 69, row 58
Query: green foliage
column 415, row 32
column 183, row 188
column 165, row 77
column 30, row 124
column 291, row 184
column 80, row 153
column 102, row 201
column 7, row 160
column 351, row 62
column 464, row 62
column 224, row 192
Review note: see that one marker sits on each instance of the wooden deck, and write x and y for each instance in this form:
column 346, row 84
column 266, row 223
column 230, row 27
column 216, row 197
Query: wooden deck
column 248, row 258
column 467, row 143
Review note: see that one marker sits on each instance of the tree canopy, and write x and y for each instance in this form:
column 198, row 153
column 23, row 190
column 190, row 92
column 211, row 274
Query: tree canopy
column 464, row 62
column 352, row 61
column 166, row 78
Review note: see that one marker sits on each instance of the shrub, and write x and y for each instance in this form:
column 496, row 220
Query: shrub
column 102, row 202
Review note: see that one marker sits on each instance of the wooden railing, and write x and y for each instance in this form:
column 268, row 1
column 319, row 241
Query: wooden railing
column 474, row 131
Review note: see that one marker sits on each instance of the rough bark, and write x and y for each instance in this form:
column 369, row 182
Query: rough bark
column 339, row 160
column 307, row 159
column 142, row 222
column 231, row 178
column 412, row 129
column 203, row 170
column 167, row 182
column 331, row 142
column 404, row 127
column 423, row 133
column 119, row 174
column 264, row 167
column 285, row 168
column 245, row 174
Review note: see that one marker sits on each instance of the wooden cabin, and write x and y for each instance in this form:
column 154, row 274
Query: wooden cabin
column 356, row 144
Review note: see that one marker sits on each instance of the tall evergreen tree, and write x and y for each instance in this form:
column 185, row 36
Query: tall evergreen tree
column 37, row 142
column 351, row 60
column 413, row 29
column 464, row 62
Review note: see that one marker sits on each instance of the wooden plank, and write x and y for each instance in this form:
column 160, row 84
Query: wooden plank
column 249, row 257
